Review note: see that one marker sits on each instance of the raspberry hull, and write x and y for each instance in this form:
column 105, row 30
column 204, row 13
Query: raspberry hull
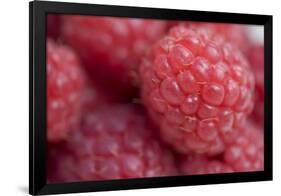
column 197, row 87
column 112, row 51
column 64, row 88
column 114, row 143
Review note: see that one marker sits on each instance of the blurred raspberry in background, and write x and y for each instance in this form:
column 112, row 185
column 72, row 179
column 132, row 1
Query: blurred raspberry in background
column 65, row 83
column 244, row 152
column 114, row 142
column 111, row 48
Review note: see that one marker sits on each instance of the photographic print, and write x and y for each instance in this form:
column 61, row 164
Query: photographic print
column 126, row 97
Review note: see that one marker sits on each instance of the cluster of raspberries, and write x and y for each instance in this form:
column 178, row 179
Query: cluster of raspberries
column 134, row 98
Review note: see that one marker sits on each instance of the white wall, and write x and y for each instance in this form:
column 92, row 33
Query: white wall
column 14, row 96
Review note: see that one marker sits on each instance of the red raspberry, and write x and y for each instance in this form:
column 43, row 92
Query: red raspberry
column 111, row 47
column 256, row 59
column 196, row 87
column 65, row 81
column 115, row 142
column 198, row 164
column 245, row 148
column 53, row 26
column 244, row 152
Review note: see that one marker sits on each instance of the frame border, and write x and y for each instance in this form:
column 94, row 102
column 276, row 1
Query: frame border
column 37, row 97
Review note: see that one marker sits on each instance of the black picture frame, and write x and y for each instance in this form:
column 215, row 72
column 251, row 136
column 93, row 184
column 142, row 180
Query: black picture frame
column 37, row 96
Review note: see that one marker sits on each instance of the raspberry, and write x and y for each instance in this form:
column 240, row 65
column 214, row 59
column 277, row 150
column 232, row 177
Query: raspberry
column 245, row 149
column 198, row 164
column 65, row 81
column 256, row 59
column 111, row 47
column 115, row 142
column 196, row 86
column 53, row 26
column 244, row 152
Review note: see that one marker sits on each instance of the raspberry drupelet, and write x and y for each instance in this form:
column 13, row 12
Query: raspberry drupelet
column 115, row 142
column 110, row 47
column 65, row 82
column 196, row 87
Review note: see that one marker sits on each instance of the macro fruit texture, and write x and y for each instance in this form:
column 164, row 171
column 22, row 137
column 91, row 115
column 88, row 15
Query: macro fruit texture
column 65, row 82
column 136, row 98
column 110, row 47
column 196, row 87
column 244, row 152
column 116, row 142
